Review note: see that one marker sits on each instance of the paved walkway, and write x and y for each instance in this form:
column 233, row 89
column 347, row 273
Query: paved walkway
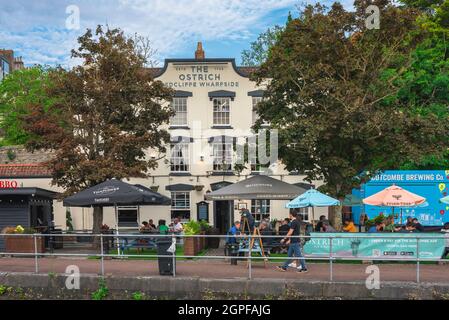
column 220, row 269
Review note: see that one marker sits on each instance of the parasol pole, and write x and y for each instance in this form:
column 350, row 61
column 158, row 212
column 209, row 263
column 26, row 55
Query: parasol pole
column 313, row 217
column 116, row 228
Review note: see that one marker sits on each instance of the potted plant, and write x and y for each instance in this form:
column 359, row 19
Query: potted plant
column 154, row 188
column 191, row 247
column 23, row 244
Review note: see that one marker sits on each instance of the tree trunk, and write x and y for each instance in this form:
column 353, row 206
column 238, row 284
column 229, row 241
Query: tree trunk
column 97, row 222
column 335, row 216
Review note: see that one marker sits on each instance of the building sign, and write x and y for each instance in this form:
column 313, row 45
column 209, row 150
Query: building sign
column 430, row 184
column 202, row 211
column 410, row 176
column 368, row 245
column 197, row 76
column 8, row 184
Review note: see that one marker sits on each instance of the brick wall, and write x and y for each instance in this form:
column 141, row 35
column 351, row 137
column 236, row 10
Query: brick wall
column 19, row 155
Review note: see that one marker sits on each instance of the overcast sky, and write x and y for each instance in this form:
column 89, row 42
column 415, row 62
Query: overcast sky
column 38, row 29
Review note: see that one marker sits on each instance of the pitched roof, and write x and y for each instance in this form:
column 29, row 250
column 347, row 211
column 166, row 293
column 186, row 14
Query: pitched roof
column 28, row 170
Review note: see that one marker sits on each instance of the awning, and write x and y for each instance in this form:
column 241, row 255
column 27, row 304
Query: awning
column 257, row 187
column 221, row 94
column 115, row 192
column 28, row 192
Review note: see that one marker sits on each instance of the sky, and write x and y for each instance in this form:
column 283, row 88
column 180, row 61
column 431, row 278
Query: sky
column 44, row 31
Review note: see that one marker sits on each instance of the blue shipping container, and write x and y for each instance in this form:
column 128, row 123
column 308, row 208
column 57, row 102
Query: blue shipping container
column 430, row 184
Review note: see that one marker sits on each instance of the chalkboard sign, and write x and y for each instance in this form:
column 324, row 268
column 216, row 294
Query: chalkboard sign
column 202, row 210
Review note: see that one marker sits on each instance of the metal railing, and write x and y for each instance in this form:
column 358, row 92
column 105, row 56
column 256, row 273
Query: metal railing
column 118, row 240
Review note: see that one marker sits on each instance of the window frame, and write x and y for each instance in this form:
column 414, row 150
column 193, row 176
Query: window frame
column 259, row 204
column 174, row 147
column 184, row 210
column 222, row 114
column 225, row 153
column 179, row 102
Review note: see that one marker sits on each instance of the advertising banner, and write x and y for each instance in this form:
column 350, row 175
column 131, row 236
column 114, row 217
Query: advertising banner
column 376, row 245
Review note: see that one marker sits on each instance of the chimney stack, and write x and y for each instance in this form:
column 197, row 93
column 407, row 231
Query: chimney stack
column 199, row 53
column 18, row 63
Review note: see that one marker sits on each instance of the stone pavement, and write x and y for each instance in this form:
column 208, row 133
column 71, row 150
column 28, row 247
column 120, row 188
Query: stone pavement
column 219, row 269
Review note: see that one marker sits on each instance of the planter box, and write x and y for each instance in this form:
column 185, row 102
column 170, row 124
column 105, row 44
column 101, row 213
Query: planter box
column 198, row 245
column 24, row 244
column 203, row 241
column 190, row 246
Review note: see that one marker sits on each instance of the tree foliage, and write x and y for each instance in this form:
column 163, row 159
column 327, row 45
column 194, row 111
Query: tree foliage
column 109, row 112
column 258, row 52
column 18, row 90
column 329, row 92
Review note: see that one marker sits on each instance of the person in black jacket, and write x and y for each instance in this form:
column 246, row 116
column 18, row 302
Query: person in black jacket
column 283, row 229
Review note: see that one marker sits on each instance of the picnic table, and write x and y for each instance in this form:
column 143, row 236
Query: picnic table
column 126, row 243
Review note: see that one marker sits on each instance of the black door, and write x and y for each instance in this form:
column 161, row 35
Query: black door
column 223, row 215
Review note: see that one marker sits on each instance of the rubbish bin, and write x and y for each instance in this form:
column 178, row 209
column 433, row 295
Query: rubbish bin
column 166, row 266
column 233, row 251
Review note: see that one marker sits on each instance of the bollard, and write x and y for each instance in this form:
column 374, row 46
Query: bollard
column 36, row 261
column 102, row 254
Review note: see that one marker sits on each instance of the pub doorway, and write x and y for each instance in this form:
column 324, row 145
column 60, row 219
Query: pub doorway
column 223, row 215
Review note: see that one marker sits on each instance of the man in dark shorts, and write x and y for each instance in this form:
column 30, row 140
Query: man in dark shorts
column 294, row 248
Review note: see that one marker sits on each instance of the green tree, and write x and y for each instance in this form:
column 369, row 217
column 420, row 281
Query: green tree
column 258, row 52
column 17, row 91
column 328, row 91
column 109, row 112
column 424, row 86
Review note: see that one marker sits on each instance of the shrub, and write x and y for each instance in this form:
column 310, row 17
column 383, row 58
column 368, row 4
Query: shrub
column 192, row 227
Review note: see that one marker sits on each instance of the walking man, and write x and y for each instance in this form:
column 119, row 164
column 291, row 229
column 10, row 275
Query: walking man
column 294, row 248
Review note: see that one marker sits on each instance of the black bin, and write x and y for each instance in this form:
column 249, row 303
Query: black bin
column 166, row 266
column 233, row 252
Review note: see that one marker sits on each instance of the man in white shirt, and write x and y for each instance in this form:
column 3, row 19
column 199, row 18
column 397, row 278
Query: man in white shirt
column 177, row 225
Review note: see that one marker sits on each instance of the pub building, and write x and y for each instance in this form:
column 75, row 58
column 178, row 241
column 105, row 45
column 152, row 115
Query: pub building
column 215, row 103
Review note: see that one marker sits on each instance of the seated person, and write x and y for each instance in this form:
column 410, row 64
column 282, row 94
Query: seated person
column 151, row 224
column 378, row 227
column 285, row 226
column 417, row 226
column 389, row 225
column 265, row 231
column 162, row 228
column 327, row 227
column 445, row 231
column 319, row 225
column 349, row 226
column 409, row 224
column 145, row 228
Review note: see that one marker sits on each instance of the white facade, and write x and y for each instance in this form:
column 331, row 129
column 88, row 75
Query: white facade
column 213, row 99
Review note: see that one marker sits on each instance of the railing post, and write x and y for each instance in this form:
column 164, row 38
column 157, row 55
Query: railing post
column 417, row 261
column 102, row 254
column 250, row 256
column 331, row 270
column 36, row 260
column 173, row 241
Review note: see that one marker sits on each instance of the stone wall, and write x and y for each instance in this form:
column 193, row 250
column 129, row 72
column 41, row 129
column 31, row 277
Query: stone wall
column 19, row 155
column 53, row 286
